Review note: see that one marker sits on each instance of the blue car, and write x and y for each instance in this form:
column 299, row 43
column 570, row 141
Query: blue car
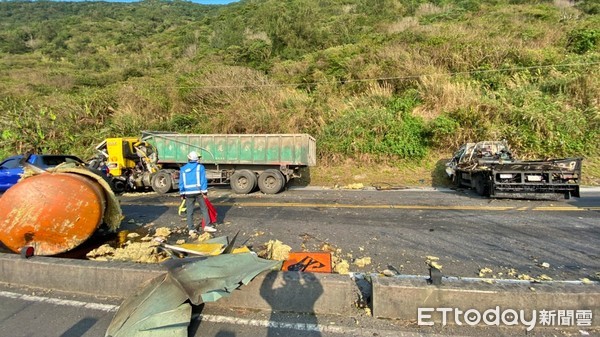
column 11, row 168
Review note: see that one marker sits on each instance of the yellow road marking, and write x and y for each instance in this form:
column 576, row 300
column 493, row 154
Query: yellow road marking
column 313, row 205
column 558, row 208
column 389, row 206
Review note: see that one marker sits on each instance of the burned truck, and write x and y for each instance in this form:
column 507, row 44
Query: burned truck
column 491, row 170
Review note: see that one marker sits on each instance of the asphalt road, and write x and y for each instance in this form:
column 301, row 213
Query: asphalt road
column 400, row 228
column 556, row 238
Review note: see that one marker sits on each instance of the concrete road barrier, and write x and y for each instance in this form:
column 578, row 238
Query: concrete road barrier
column 297, row 292
column 285, row 291
column 77, row 276
column 392, row 297
column 403, row 297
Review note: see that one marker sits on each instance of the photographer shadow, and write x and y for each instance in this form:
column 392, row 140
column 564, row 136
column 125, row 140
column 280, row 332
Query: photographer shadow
column 295, row 292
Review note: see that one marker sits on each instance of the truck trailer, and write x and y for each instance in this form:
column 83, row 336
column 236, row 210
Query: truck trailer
column 244, row 161
column 490, row 168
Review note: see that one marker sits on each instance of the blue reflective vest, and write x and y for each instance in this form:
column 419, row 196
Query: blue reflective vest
column 192, row 179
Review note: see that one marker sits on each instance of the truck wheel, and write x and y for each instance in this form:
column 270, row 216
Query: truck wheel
column 119, row 186
column 480, row 186
column 243, row 181
column 456, row 181
column 162, row 182
column 271, row 181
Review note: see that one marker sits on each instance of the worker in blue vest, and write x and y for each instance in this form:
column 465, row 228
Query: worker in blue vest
column 192, row 186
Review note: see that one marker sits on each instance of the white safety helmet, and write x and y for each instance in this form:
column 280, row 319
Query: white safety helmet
column 193, row 156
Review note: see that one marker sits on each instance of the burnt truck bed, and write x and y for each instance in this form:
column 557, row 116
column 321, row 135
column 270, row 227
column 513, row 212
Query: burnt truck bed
column 534, row 178
column 491, row 170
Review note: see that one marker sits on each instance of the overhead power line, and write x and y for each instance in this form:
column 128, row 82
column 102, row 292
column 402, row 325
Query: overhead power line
column 390, row 78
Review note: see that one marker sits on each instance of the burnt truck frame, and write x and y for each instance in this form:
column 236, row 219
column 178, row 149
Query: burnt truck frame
column 491, row 170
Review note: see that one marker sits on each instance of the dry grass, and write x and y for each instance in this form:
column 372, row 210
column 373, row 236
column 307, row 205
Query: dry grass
column 425, row 173
column 430, row 9
column 590, row 171
column 404, row 24
column 441, row 94
column 241, row 100
column 252, row 35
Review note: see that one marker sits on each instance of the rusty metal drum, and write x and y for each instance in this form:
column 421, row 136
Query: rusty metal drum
column 51, row 212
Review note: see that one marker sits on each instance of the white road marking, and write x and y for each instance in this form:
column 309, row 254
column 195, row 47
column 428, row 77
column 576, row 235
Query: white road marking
column 56, row 301
column 272, row 324
column 307, row 327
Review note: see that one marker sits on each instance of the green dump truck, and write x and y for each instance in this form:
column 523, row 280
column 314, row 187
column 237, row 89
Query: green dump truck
column 244, row 161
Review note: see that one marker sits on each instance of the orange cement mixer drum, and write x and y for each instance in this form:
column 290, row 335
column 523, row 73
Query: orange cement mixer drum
column 52, row 212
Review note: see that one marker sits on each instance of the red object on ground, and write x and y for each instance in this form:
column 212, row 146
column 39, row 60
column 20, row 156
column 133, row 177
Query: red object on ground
column 212, row 212
column 313, row 262
column 51, row 212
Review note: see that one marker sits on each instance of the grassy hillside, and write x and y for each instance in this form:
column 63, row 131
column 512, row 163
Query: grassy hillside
column 380, row 83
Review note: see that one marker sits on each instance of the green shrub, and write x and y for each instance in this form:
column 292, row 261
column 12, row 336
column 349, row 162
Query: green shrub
column 581, row 41
column 541, row 127
column 182, row 122
column 591, row 7
column 442, row 131
column 390, row 132
column 131, row 72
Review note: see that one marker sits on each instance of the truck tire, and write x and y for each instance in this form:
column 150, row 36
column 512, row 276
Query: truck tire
column 456, row 180
column 118, row 185
column 480, row 186
column 162, row 182
column 271, row 181
column 243, row 181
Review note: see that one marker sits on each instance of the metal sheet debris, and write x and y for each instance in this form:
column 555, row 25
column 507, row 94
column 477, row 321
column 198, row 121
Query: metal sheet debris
column 161, row 309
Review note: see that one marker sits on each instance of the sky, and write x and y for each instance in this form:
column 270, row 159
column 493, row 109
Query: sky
column 203, row 2
column 213, row 2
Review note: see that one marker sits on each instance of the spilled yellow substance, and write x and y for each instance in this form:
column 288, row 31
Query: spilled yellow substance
column 275, row 250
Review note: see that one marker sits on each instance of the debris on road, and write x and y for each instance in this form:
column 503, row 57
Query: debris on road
column 525, row 277
column 161, row 308
column 432, row 261
column 341, row 266
column 257, row 233
column 484, row 272
column 388, row 273
column 316, row 262
column 162, row 231
column 140, row 252
column 355, row 186
column 362, row 262
column 275, row 250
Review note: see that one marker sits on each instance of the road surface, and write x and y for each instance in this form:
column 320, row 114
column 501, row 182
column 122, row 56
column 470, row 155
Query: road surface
column 555, row 238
